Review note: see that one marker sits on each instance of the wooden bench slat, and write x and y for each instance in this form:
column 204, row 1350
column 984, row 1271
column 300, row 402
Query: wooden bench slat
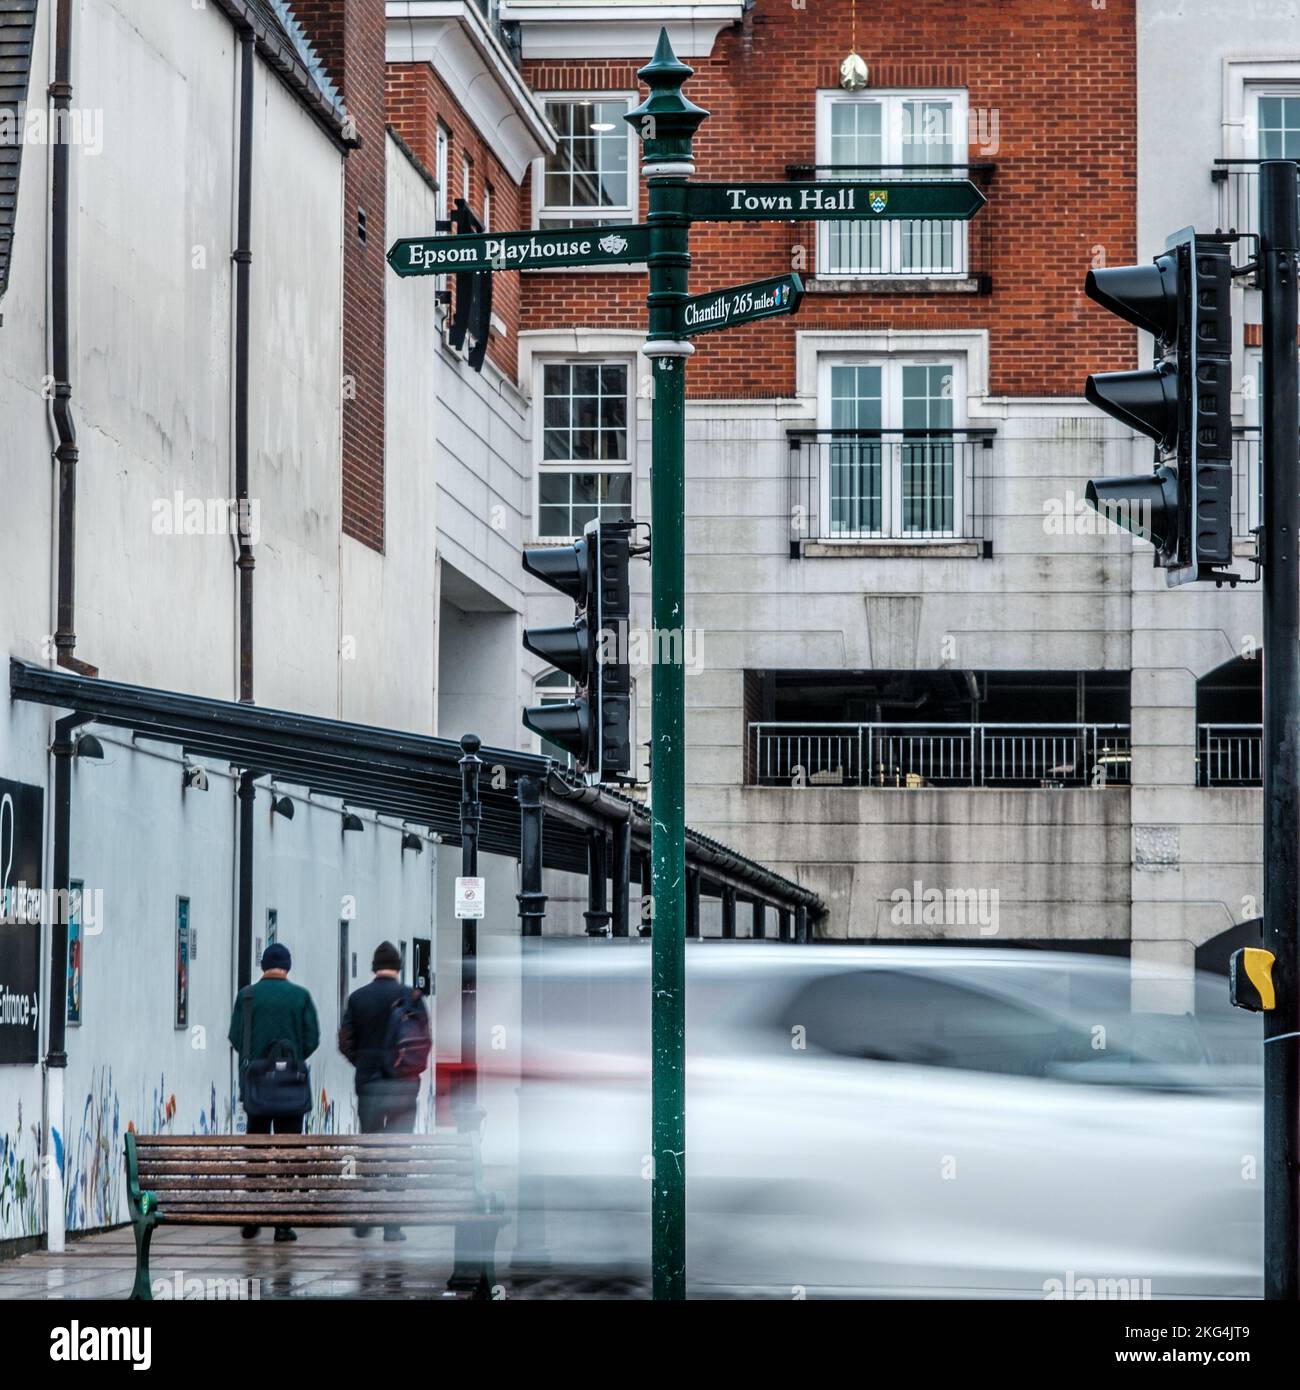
column 324, row 1166
column 341, row 1185
column 344, row 1210
column 208, row 1141
column 360, row 1219
column 316, row 1156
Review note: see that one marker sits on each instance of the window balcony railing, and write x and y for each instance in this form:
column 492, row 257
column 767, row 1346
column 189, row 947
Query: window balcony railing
column 1229, row 755
column 889, row 485
column 1238, row 181
column 922, row 248
column 938, row 755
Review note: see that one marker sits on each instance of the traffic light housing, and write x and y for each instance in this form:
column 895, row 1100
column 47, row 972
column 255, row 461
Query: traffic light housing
column 1183, row 403
column 595, row 726
column 1250, row 979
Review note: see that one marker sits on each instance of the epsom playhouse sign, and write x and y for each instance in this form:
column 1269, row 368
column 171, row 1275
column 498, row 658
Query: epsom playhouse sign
column 485, row 251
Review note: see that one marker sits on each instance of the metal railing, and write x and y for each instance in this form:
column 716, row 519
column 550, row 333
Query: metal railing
column 895, row 485
column 1245, row 480
column 901, row 248
column 505, row 30
column 1238, row 181
column 785, row 754
column 1229, row 755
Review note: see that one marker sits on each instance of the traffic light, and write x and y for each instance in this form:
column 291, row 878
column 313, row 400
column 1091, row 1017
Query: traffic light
column 1183, row 402
column 595, row 726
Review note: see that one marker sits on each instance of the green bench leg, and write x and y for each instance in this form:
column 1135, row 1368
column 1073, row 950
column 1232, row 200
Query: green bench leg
column 474, row 1268
column 143, row 1287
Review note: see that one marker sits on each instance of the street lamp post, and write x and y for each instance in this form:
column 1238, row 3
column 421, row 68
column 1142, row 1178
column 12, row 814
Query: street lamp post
column 666, row 123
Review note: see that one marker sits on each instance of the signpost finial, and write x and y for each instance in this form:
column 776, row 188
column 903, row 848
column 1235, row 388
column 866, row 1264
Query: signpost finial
column 666, row 120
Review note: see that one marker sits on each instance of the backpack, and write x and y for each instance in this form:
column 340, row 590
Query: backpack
column 407, row 1038
column 277, row 1084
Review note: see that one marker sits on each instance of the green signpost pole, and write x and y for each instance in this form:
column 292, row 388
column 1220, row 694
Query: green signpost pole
column 666, row 122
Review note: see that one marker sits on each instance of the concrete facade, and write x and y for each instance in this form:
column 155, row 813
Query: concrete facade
column 1156, row 868
column 392, row 637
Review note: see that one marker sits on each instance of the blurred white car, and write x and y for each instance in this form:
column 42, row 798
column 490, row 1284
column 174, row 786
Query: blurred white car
column 929, row 1121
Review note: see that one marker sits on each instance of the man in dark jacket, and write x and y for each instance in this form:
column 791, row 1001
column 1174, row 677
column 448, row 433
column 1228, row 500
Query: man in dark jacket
column 385, row 1104
column 278, row 1011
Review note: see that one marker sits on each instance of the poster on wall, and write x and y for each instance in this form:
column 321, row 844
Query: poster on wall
column 182, row 962
column 22, row 820
column 75, row 889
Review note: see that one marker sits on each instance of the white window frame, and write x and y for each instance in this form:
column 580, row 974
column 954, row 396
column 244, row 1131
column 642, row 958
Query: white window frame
column 891, row 99
column 891, row 408
column 1253, row 91
column 627, row 212
column 442, row 147
column 627, row 465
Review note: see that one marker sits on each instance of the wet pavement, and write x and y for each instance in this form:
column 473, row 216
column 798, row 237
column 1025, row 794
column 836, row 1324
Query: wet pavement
column 213, row 1262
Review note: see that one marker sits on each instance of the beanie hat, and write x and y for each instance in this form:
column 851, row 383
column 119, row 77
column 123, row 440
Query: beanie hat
column 387, row 957
column 276, row 957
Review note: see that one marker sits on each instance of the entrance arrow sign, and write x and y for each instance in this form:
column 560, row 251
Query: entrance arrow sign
column 948, row 199
column 760, row 299
column 437, row 255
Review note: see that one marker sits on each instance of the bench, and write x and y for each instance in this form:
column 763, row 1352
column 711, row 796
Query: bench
column 316, row 1180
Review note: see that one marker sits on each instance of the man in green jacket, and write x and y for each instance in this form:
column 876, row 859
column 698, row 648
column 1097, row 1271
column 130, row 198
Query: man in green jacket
column 280, row 1011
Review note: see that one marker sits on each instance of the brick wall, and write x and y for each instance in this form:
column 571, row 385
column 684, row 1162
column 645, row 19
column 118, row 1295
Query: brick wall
column 417, row 102
column 1060, row 76
column 349, row 39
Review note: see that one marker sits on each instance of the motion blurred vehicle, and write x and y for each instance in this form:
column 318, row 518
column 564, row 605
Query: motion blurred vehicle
column 896, row 1121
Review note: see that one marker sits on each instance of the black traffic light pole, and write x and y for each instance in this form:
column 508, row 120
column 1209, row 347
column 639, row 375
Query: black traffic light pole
column 1281, row 752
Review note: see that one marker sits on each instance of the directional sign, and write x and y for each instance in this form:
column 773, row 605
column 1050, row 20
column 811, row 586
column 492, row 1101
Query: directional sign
column 949, row 199
column 436, row 255
column 761, row 299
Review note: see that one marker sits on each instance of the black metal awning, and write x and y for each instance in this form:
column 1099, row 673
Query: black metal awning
column 410, row 777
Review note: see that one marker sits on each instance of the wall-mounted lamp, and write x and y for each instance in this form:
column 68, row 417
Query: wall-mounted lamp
column 351, row 821
column 88, row 746
column 193, row 777
column 282, row 806
column 412, row 841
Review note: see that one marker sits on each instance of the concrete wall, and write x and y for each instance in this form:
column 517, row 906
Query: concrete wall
column 339, row 631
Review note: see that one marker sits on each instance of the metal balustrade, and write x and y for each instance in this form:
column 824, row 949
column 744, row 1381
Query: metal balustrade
column 1238, row 181
column 889, row 485
column 1229, row 755
column 783, row 754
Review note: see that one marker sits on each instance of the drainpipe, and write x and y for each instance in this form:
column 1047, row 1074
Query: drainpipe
column 65, row 451
column 243, row 259
column 247, row 804
column 56, row 1057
